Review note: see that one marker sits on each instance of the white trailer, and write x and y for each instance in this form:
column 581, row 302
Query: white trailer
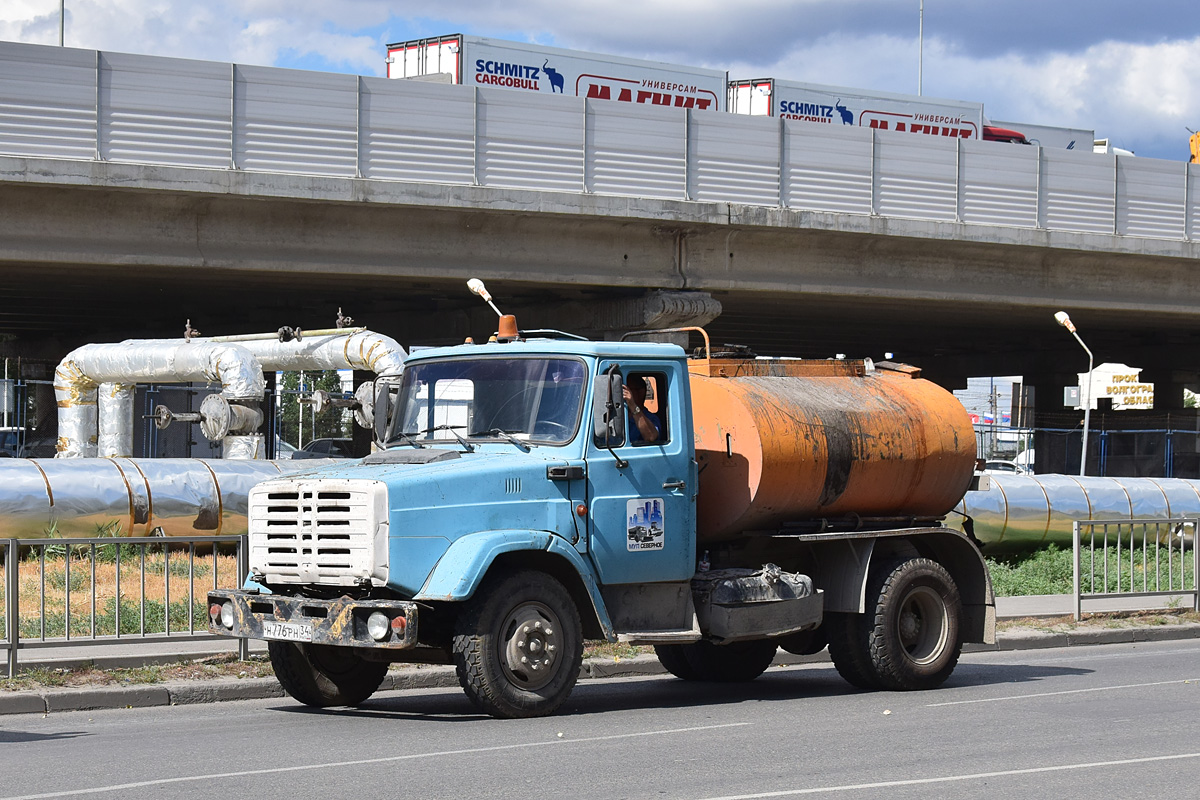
column 477, row 61
column 835, row 107
column 1052, row 138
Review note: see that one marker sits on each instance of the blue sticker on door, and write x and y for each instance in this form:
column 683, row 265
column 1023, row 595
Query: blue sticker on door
column 645, row 523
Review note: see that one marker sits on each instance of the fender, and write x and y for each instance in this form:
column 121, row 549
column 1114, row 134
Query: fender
column 845, row 564
column 459, row 571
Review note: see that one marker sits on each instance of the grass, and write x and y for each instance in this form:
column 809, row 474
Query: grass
column 214, row 667
column 1050, row 571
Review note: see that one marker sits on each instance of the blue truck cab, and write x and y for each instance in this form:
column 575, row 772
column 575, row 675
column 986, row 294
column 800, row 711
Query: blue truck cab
column 518, row 505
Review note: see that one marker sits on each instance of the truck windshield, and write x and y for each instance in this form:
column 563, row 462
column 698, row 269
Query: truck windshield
column 534, row 400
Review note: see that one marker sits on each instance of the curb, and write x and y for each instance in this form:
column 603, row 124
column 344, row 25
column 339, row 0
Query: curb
column 440, row 676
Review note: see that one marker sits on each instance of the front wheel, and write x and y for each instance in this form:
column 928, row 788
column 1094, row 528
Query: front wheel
column 518, row 646
column 322, row 675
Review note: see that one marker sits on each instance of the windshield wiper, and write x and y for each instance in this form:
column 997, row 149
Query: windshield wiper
column 470, row 448
column 503, row 434
column 407, row 439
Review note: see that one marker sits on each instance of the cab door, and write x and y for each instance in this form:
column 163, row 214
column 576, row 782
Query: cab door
column 642, row 510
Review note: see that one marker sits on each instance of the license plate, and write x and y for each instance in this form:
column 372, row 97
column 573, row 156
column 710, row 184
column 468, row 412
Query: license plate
column 287, row 631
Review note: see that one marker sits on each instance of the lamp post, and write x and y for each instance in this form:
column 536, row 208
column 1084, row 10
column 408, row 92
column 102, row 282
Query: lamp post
column 1062, row 319
column 920, row 46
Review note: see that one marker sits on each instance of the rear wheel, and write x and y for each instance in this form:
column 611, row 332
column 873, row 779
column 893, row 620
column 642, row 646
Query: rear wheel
column 914, row 636
column 726, row 663
column 518, row 646
column 909, row 639
column 805, row 643
column 322, row 675
column 848, row 649
column 674, row 659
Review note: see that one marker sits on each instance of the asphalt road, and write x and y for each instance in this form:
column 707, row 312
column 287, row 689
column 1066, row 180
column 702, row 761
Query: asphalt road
column 1080, row 722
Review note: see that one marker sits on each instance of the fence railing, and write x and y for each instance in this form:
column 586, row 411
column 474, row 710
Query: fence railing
column 113, row 590
column 95, row 105
column 1136, row 559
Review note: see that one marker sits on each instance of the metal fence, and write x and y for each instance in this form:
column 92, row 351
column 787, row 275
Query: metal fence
column 1135, row 559
column 29, row 421
column 94, row 105
column 113, row 590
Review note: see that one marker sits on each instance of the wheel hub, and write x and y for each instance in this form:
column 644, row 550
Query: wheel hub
column 530, row 648
column 922, row 625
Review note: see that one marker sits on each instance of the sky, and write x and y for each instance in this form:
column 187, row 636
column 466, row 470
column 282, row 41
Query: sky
column 1128, row 71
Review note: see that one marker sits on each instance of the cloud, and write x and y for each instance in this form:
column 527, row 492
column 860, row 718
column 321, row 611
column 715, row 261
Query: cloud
column 1140, row 95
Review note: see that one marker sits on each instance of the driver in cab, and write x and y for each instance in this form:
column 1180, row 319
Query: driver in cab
column 644, row 426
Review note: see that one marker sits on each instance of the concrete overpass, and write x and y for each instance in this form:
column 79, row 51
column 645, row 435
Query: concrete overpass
column 97, row 250
column 98, row 246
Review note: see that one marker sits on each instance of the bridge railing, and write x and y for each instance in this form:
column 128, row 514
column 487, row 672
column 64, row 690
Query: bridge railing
column 87, row 104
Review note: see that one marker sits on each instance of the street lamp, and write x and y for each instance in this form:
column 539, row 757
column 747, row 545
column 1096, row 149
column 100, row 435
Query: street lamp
column 1062, row 319
column 920, row 46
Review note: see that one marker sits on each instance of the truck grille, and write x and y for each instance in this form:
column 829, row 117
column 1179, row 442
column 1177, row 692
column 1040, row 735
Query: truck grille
column 319, row 531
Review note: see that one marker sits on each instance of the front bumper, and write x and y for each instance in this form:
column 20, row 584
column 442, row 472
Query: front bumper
column 341, row 622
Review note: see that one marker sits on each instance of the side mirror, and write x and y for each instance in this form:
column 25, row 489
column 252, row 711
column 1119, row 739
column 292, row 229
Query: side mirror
column 608, row 410
column 385, row 395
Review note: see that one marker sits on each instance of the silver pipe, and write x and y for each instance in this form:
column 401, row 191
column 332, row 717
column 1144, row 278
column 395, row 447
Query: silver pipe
column 237, row 362
column 1021, row 512
column 252, row 446
column 131, row 497
column 344, row 348
column 251, row 337
column 355, row 349
column 115, row 409
column 146, row 361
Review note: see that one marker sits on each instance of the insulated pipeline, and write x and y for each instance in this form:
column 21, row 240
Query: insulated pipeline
column 1021, row 512
column 131, row 497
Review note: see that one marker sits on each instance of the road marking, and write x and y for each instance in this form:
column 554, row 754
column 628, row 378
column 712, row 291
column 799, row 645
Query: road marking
column 1065, row 691
column 384, row 760
column 852, row 787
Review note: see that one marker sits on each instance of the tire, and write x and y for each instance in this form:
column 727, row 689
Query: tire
column 322, row 675
column 727, row 663
column 848, row 649
column 805, row 643
column 674, row 659
column 518, row 646
column 914, row 641
column 910, row 638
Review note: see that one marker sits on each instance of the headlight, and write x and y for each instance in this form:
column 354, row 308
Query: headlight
column 379, row 626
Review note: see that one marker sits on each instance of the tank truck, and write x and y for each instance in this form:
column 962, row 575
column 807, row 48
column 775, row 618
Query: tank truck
column 540, row 490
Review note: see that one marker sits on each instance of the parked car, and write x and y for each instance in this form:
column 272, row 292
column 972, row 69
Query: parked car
column 10, row 441
column 999, row 467
column 326, row 448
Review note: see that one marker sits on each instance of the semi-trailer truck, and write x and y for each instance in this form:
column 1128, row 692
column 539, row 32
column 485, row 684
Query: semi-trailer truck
column 527, row 499
column 835, row 107
column 479, row 61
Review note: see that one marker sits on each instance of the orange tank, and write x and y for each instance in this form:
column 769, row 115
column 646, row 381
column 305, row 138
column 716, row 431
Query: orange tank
column 786, row 441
